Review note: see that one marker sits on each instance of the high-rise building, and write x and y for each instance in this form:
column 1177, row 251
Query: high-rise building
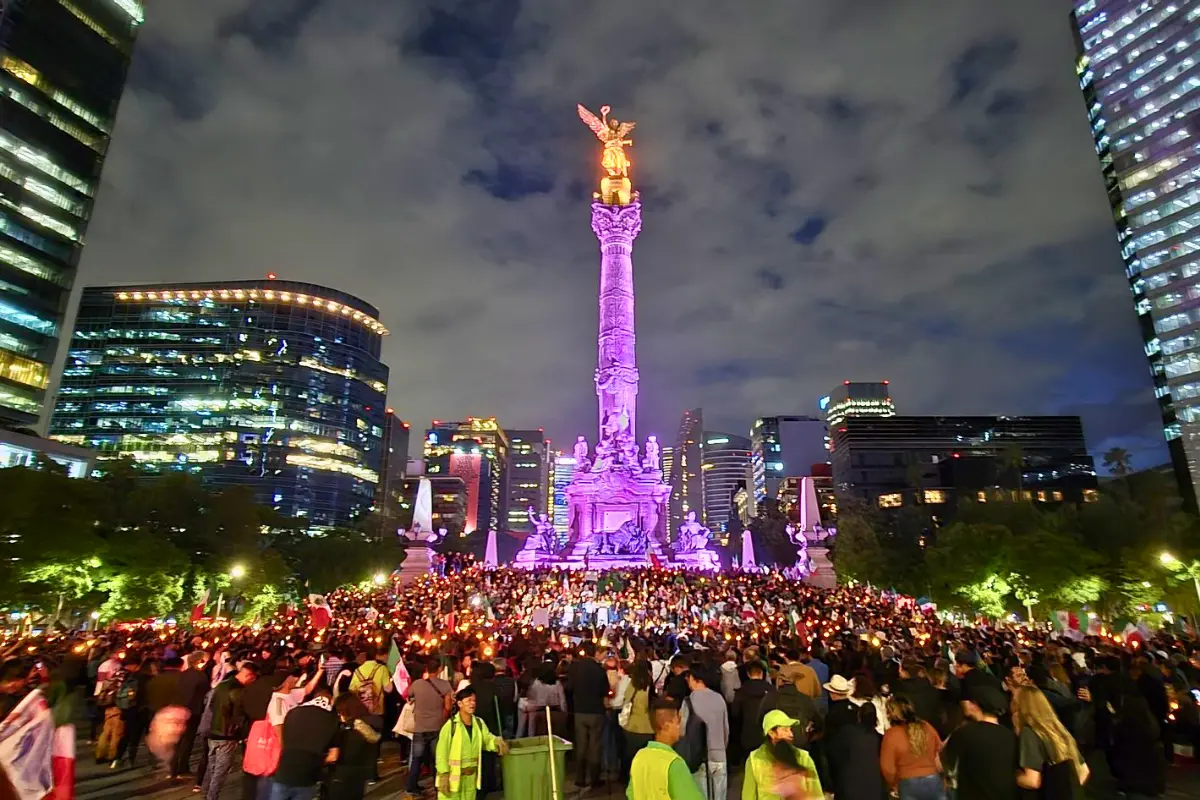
column 275, row 385
column 667, row 455
column 1137, row 70
column 528, row 476
column 562, row 470
column 62, row 71
column 394, row 463
column 477, row 451
column 687, row 475
column 725, row 466
column 938, row 461
column 857, row 399
column 784, row 447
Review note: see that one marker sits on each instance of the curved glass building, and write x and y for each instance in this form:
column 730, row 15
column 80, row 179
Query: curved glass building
column 271, row 384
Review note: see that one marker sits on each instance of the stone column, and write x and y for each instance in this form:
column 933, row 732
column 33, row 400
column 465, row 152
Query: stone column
column 616, row 370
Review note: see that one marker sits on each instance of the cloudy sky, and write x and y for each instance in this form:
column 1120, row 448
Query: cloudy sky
column 900, row 189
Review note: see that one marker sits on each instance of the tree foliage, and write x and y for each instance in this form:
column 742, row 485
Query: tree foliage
column 133, row 546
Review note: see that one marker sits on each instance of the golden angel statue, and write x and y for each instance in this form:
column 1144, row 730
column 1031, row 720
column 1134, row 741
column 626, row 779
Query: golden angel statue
column 613, row 133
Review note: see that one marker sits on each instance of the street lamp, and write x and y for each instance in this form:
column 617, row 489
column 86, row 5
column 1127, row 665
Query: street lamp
column 236, row 572
column 1191, row 570
column 379, row 578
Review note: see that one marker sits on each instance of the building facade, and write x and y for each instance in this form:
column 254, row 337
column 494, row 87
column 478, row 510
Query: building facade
column 938, row 461
column 25, row 450
column 725, row 467
column 449, row 501
column 528, row 477
column 62, row 71
column 687, row 474
column 394, row 463
column 1137, row 68
column 476, row 450
column 857, row 399
column 784, row 447
column 667, row 454
column 562, row 470
column 275, row 385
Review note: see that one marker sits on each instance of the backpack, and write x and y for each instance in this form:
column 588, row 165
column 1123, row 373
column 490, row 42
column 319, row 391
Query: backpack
column 126, row 696
column 107, row 696
column 262, row 749
column 368, row 692
column 693, row 745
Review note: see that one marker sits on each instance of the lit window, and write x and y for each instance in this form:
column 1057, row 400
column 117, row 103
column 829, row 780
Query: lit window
column 981, row 496
column 894, row 500
column 935, row 496
column 1058, row 496
column 1041, row 496
column 1090, row 495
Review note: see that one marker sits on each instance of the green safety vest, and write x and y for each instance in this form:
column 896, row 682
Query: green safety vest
column 648, row 773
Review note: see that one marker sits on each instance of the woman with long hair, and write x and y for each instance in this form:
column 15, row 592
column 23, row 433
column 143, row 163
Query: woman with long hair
column 865, row 692
column 908, row 757
column 634, row 716
column 1050, row 762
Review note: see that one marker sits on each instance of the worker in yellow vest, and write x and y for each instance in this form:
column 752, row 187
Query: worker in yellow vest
column 460, row 747
column 658, row 772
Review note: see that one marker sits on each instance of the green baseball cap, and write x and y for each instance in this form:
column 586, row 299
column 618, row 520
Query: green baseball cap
column 777, row 719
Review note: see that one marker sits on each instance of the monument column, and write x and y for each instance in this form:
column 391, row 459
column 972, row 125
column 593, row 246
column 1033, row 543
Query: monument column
column 616, row 226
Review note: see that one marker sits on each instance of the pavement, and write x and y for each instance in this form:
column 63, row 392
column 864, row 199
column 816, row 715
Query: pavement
column 98, row 782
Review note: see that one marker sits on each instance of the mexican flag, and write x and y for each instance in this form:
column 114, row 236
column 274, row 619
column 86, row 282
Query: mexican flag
column 798, row 624
column 319, row 612
column 1065, row 621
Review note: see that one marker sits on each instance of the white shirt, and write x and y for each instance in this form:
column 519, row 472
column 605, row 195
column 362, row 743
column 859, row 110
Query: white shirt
column 105, row 671
column 281, row 703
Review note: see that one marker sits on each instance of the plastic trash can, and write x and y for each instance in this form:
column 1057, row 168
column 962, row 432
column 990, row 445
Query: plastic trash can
column 526, row 768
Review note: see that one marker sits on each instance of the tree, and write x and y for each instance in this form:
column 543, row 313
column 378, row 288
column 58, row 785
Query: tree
column 857, row 554
column 1117, row 461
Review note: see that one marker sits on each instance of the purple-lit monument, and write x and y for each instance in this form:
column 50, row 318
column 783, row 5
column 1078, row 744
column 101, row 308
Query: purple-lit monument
column 617, row 500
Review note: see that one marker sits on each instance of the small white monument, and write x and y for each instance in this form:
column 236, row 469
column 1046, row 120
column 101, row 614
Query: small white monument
column 419, row 553
column 748, row 560
column 489, row 553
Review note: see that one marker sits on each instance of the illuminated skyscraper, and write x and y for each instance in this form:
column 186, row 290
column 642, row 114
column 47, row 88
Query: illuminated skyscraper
column 1137, row 67
column 687, row 481
column 668, row 463
column 274, row 385
column 393, row 464
column 528, row 476
column 726, row 467
column 858, row 399
column 62, row 70
column 784, row 447
column 477, row 451
column 562, row 470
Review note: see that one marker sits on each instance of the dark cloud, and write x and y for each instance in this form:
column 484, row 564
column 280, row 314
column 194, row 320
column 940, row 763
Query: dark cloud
column 907, row 192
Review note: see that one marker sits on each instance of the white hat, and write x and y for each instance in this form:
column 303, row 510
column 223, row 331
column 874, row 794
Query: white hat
column 839, row 685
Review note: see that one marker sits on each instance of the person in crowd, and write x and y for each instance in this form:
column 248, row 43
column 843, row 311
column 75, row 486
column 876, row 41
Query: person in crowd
column 431, row 698
column 545, row 692
column 853, row 755
column 914, row 684
column 657, row 771
column 637, row 729
column 506, row 697
column 676, row 686
column 799, row 674
column 730, row 679
column 461, row 743
column 949, row 713
column 612, row 716
column 710, row 708
column 841, row 710
column 589, row 688
column 798, row 705
column 981, row 755
column 190, row 692
column 230, row 724
column 753, row 700
column 355, row 746
column 908, row 756
column 307, row 744
column 865, row 691
column 777, row 769
column 135, row 712
column 1136, row 757
column 1049, row 759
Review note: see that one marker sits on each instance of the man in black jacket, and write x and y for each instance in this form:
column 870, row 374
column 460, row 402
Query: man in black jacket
column 588, row 683
column 914, row 686
column 190, row 692
column 309, row 731
column 230, row 725
column 751, row 702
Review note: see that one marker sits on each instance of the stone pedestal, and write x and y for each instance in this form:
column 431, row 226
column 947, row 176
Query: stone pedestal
column 418, row 560
column 823, row 574
column 602, row 502
column 700, row 559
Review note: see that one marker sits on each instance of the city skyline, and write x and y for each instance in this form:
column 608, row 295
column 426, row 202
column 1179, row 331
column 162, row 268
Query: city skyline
column 973, row 161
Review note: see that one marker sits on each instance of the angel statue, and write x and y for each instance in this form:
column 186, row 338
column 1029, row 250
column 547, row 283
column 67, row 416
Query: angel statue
column 612, row 132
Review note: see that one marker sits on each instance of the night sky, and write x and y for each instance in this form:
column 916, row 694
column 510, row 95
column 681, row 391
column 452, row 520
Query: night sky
column 832, row 190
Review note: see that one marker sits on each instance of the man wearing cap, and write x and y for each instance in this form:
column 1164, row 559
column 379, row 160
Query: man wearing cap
column 778, row 768
column 982, row 754
column 657, row 770
column 460, row 747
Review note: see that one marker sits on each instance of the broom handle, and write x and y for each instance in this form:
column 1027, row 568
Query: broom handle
column 550, row 743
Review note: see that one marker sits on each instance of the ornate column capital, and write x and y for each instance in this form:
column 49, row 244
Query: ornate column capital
column 616, row 224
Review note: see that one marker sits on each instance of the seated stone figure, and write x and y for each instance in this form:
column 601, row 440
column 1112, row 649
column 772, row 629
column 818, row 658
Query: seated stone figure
column 692, row 535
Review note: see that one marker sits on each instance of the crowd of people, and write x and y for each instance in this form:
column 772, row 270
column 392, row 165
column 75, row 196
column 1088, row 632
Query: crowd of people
column 666, row 683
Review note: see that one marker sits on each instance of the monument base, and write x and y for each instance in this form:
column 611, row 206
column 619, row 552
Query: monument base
column 823, row 575
column 700, row 560
column 418, row 561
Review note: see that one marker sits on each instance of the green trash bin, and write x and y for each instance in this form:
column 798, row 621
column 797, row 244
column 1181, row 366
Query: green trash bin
column 526, row 768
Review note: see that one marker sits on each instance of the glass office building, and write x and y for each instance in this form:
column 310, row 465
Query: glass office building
column 1139, row 70
column 271, row 384
column 725, row 467
column 62, row 70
